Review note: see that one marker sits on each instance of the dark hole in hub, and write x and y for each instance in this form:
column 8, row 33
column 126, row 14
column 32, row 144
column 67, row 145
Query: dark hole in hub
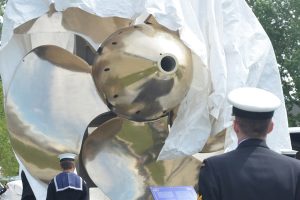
column 114, row 43
column 100, row 49
column 107, row 69
column 168, row 63
column 116, row 96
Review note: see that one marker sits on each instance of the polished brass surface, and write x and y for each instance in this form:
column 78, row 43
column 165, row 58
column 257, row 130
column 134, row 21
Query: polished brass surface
column 75, row 20
column 142, row 72
column 215, row 143
column 50, row 102
column 97, row 121
column 95, row 27
column 120, row 158
column 52, row 97
column 61, row 58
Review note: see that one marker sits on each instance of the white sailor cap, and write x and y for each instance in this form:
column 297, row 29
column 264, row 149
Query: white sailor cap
column 67, row 156
column 253, row 103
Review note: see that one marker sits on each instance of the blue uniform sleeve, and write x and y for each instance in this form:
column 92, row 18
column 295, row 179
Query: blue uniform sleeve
column 207, row 185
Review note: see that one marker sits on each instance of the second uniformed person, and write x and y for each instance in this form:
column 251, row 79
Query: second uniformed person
column 67, row 184
column 252, row 171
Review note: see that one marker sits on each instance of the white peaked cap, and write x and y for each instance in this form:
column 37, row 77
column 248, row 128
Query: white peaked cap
column 253, row 100
column 70, row 156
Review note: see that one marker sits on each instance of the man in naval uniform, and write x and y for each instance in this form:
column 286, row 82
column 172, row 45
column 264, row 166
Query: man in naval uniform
column 252, row 171
column 67, row 184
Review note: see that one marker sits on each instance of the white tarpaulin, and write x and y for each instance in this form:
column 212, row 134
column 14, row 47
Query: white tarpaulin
column 13, row 192
column 230, row 50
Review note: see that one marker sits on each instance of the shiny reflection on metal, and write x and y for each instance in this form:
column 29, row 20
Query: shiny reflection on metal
column 48, row 23
column 142, row 72
column 120, row 157
column 49, row 103
column 75, row 20
column 84, row 50
column 215, row 143
column 90, row 128
column 97, row 28
column 62, row 58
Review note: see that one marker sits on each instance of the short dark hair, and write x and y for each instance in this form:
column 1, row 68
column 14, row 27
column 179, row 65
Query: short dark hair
column 67, row 164
column 253, row 127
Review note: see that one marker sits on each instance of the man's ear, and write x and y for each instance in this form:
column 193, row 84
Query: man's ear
column 270, row 126
column 236, row 127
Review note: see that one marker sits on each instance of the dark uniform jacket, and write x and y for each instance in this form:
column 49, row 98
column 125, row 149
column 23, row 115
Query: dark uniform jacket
column 67, row 186
column 251, row 172
column 27, row 193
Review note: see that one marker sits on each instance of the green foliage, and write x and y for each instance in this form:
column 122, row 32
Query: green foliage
column 2, row 6
column 2, row 3
column 7, row 158
column 8, row 163
column 281, row 21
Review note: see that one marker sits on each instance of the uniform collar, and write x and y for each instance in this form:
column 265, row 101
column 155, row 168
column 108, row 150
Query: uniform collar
column 67, row 180
column 253, row 142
